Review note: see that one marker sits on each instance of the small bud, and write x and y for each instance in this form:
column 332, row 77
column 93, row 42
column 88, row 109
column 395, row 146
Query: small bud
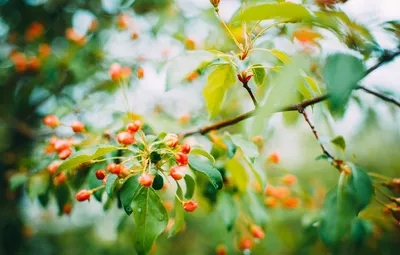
column 171, row 140
column 271, row 202
column 140, row 73
column 83, row 195
column 77, row 126
column 115, row 71
column 114, row 168
column 181, row 158
column 184, row 148
column 190, row 206
column 146, row 180
column 215, row 3
column 257, row 139
column 345, row 169
column 53, row 167
column 61, row 145
column 100, row 174
column 190, row 44
column 65, row 153
column 124, row 21
column 134, row 126
column 244, row 77
column 125, row 138
column 257, row 232
column 176, row 172
column 51, row 121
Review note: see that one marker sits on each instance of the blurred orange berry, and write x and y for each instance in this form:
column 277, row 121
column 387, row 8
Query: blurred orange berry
column 34, row 31
column 168, row 205
column 19, row 61
column 59, row 179
column 184, row 119
column 245, row 244
column 289, row 179
column 271, row 202
column 115, row 71
column 257, row 139
column 291, row 202
column 44, row 50
column 135, row 36
column 126, row 72
column 274, row 158
column 51, row 121
column 33, row 63
column 281, row 192
column 77, row 126
column 221, row 250
column 257, row 232
column 73, row 36
column 190, row 44
column 67, row 208
column 140, row 73
column 306, row 36
column 124, row 21
column 190, row 206
column 94, row 25
column 192, row 76
column 269, row 190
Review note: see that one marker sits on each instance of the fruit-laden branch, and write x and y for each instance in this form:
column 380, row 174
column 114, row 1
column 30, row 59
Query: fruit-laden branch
column 299, row 106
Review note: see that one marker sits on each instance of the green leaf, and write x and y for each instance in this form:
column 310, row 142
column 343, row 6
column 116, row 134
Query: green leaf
column 179, row 215
column 38, row 184
column 275, row 11
column 112, row 179
column 238, row 173
column 199, row 151
column 339, row 142
column 361, row 186
column 360, row 230
column 183, row 65
column 151, row 218
column 206, row 168
column 259, row 74
column 249, row 148
column 190, row 186
column 63, row 196
column 155, row 157
column 231, row 147
column 227, row 209
column 93, row 182
column 282, row 56
column 338, row 213
column 256, row 208
column 84, row 156
column 158, row 182
column 322, row 157
column 342, row 73
column 218, row 83
column 17, row 180
column 128, row 192
column 258, row 173
column 312, row 84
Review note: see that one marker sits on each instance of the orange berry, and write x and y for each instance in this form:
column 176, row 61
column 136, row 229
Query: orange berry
column 114, row 168
column 125, row 138
column 77, row 126
column 140, row 73
column 181, row 158
column 184, row 148
column 274, row 157
column 271, row 202
column 94, row 25
column 44, row 50
column 51, row 121
column 289, row 179
column 192, row 76
column 269, row 190
column 176, row 172
column 257, row 232
column 190, row 206
column 146, row 180
column 115, row 71
column 53, row 167
column 100, row 174
column 124, row 172
column 168, row 205
column 124, row 21
column 33, row 63
column 184, row 119
column 221, row 250
column 61, row 145
column 65, row 153
column 83, row 195
column 67, row 208
column 257, row 139
column 190, row 44
column 281, row 192
column 59, row 179
column 171, row 140
column 126, row 72
column 135, row 36
column 245, row 244
column 19, row 61
column 291, row 202
column 134, row 126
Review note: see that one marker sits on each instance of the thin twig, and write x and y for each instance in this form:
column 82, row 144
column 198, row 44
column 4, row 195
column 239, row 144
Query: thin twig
column 253, row 98
column 379, row 95
column 303, row 112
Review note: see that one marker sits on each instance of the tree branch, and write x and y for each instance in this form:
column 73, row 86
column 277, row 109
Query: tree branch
column 295, row 107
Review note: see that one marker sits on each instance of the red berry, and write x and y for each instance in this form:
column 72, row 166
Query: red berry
column 146, row 180
column 83, row 195
column 221, row 250
column 176, row 172
column 53, row 141
column 51, row 121
column 125, row 138
column 171, row 140
column 189, row 206
column 53, row 166
column 115, row 71
column 181, row 158
column 245, row 244
column 114, row 168
column 134, row 126
column 140, row 73
column 77, row 126
column 65, row 153
column 257, row 232
column 184, row 148
column 61, row 145
column 67, row 208
column 274, row 157
column 100, row 174
column 60, row 179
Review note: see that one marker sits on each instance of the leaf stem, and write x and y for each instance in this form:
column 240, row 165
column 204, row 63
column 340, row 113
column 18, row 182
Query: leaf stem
column 229, row 31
